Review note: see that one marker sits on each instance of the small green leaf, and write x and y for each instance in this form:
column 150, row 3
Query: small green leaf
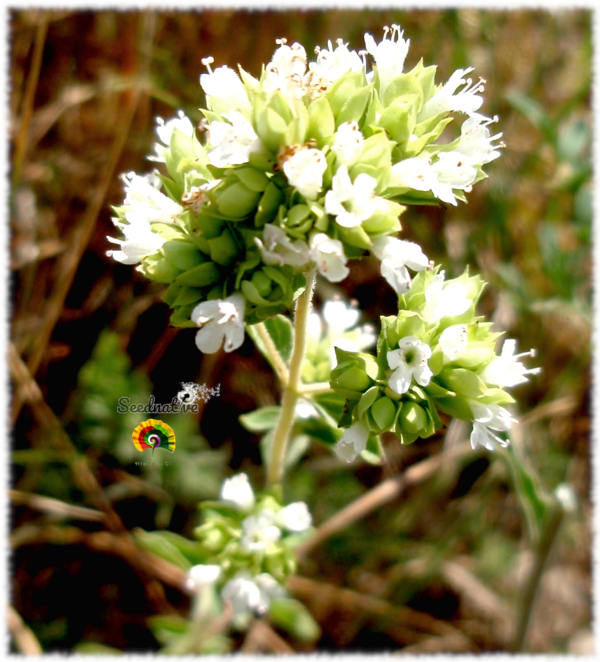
column 261, row 420
column 155, row 543
column 281, row 331
column 292, row 616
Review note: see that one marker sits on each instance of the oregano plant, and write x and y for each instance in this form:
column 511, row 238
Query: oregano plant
column 293, row 176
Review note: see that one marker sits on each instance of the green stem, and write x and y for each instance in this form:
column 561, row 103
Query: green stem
column 315, row 389
column 283, row 429
column 527, row 601
column 276, row 361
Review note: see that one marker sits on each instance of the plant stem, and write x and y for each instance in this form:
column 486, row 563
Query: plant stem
column 527, row 601
column 276, row 360
column 315, row 389
column 282, row 431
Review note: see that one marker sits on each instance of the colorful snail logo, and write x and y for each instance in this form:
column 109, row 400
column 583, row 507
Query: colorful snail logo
column 153, row 434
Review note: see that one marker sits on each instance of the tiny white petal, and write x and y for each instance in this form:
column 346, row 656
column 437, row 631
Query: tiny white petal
column 295, row 517
column 328, row 254
column 200, row 576
column 353, row 441
column 304, row 171
column 221, row 322
column 238, row 491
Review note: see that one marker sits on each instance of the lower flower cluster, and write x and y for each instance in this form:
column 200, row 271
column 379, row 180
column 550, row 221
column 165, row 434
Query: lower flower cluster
column 434, row 358
column 248, row 542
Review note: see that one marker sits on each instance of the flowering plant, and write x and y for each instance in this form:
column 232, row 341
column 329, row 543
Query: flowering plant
column 296, row 174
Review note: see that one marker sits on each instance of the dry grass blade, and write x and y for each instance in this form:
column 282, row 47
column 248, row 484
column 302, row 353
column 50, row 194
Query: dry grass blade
column 144, row 563
column 384, row 493
column 27, row 112
column 261, row 638
column 24, row 638
column 480, row 598
column 55, row 508
column 395, row 618
column 48, row 421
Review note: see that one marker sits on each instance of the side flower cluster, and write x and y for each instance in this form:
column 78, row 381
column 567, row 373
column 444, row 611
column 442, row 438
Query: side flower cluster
column 435, row 357
column 309, row 165
column 248, row 542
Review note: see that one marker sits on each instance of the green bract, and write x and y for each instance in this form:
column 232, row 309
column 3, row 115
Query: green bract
column 453, row 350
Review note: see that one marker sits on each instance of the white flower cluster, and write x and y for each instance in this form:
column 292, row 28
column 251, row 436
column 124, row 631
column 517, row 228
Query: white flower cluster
column 448, row 365
column 261, row 529
column 306, row 166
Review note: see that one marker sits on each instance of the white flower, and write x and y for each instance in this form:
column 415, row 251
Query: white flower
column 409, row 361
column 453, row 341
column 220, row 319
column 444, row 299
column 224, row 84
column 139, row 240
column 347, row 142
column 305, row 410
column 331, row 64
column 248, row 594
column 164, row 131
column 277, row 248
column 486, row 419
column 355, row 340
column 415, row 173
column 304, row 171
column 294, row 517
column 243, row 594
column 506, row 370
column 447, row 99
column 143, row 197
column 397, row 256
column 351, row 203
column 269, row 588
column 238, row 491
column 328, row 254
column 340, row 319
column 286, row 70
column 475, row 143
column 567, row 497
column 232, row 143
column 451, row 171
column 259, row 531
column 389, row 55
column 353, row 441
column 200, row 576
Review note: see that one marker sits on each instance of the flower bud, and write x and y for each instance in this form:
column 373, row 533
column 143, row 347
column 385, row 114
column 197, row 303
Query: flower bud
column 182, row 254
column 268, row 205
column 383, row 412
column 159, row 269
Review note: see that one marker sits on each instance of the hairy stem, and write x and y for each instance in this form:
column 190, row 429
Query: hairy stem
column 281, row 434
column 276, row 360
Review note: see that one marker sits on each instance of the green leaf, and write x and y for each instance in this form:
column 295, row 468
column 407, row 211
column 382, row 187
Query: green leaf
column 200, row 276
column 293, row 617
column 532, row 498
column 281, row 331
column 155, row 543
column 168, row 627
column 261, row 420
